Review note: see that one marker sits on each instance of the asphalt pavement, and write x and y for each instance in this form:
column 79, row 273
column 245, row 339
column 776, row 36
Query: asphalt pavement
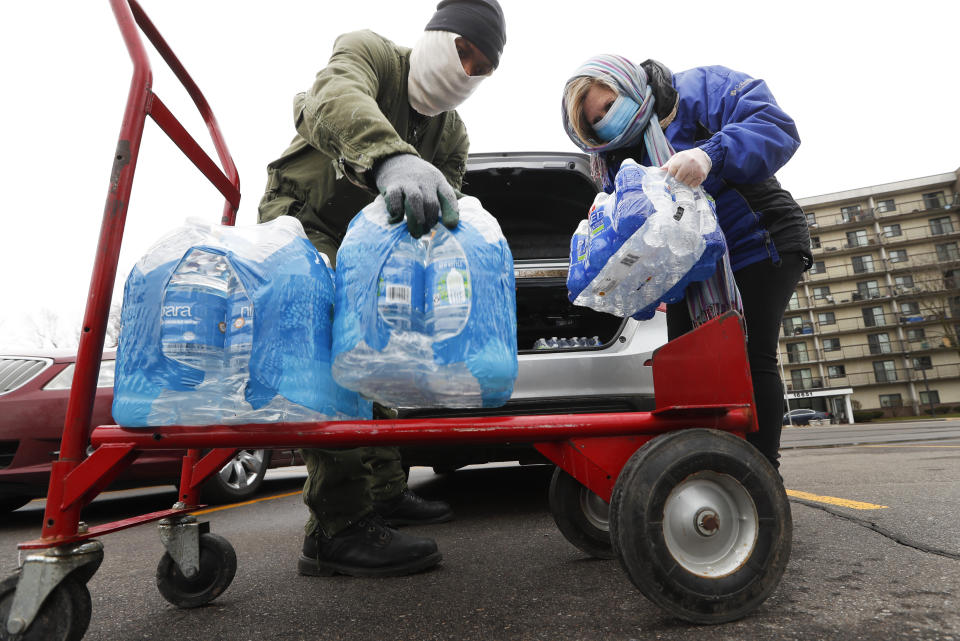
column 876, row 556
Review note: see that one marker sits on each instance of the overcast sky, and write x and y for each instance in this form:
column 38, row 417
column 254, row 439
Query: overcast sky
column 872, row 86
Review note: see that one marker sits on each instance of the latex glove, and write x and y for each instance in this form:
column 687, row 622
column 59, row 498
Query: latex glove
column 689, row 167
column 414, row 188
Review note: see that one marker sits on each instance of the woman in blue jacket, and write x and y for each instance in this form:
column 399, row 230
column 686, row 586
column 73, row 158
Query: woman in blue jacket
column 722, row 130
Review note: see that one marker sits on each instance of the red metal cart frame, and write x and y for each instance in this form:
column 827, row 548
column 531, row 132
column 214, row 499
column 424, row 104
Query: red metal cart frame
column 591, row 448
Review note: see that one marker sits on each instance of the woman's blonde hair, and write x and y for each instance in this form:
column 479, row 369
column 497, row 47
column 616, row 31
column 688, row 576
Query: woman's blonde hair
column 574, row 95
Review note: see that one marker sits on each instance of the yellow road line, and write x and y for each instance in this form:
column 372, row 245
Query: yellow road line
column 233, row 505
column 833, row 500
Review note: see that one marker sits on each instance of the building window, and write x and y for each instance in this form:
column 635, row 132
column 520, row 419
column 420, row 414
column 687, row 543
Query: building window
column 794, row 303
column 889, row 231
column 948, row 251
column 801, row 379
column 826, row 318
column 951, row 279
column 886, row 205
column 831, row 344
column 941, row 226
column 814, row 242
column 903, row 283
column 792, row 325
column 916, row 334
column 922, row 362
column 820, row 293
column 818, row 267
column 873, row 317
column 857, row 238
column 797, row 353
column 868, row 289
column 885, row 371
column 879, row 343
column 836, row 371
column 811, row 218
column 931, row 397
column 849, row 213
column 910, row 308
column 933, row 200
column 898, row 255
column 863, row 264
column 891, row 400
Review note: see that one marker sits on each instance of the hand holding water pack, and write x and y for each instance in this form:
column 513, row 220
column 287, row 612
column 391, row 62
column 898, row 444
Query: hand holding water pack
column 429, row 321
column 661, row 236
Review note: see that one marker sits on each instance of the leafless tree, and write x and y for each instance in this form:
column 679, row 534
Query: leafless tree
column 112, row 338
column 50, row 330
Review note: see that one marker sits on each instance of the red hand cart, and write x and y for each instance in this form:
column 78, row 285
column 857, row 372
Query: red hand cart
column 697, row 517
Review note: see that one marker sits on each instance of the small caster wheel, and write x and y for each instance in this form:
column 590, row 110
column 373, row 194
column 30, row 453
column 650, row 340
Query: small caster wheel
column 581, row 515
column 701, row 523
column 218, row 565
column 64, row 615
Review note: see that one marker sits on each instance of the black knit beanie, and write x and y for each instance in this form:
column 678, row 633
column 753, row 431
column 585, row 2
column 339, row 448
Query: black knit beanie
column 479, row 21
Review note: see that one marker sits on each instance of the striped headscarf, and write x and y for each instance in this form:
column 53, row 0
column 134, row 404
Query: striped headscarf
column 631, row 81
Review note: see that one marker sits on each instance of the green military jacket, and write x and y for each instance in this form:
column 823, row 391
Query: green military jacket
column 356, row 113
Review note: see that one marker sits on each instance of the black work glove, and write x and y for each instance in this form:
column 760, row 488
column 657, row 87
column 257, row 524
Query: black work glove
column 413, row 187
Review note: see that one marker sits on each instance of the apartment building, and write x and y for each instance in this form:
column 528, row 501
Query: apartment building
column 874, row 324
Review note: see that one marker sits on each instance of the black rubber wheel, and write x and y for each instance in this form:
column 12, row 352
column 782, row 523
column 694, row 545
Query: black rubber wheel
column 11, row 503
column 581, row 515
column 239, row 479
column 64, row 615
column 218, row 565
column 701, row 523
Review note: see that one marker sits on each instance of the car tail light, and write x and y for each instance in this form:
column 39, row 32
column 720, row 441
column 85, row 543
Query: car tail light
column 16, row 371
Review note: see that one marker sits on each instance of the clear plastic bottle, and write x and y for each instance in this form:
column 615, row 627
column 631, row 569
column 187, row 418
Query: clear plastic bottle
column 540, row 343
column 192, row 332
column 447, row 286
column 194, row 310
column 238, row 343
column 553, row 343
column 400, row 289
column 683, row 197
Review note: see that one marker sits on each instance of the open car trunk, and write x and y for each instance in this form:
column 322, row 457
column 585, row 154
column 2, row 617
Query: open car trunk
column 538, row 201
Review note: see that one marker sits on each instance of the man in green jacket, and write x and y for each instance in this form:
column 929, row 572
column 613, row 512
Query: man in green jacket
column 380, row 119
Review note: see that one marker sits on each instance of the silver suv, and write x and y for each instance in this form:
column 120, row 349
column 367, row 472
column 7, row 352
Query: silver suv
column 539, row 198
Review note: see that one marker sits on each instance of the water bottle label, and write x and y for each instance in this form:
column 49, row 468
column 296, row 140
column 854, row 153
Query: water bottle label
column 581, row 249
column 399, row 290
column 596, row 220
column 449, row 282
column 194, row 317
column 240, row 328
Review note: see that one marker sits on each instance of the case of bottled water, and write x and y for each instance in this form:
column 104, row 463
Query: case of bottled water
column 428, row 322
column 664, row 236
column 229, row 325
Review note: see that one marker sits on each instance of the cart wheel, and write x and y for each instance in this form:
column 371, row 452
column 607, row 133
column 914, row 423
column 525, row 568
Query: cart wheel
column 581, row 515
column 701, row 523
column 218, row 565
column 64, row 615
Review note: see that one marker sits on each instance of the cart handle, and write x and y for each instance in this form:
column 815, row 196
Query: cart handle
column 227, row 181
column 140, row 101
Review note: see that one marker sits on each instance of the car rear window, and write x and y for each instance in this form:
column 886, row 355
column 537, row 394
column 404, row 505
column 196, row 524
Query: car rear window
column 64, row 379
column 16, row 371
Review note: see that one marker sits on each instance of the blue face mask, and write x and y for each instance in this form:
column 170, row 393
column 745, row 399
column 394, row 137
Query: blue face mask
column 618, row 116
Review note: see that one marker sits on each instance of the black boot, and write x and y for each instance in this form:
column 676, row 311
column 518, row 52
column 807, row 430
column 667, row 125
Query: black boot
column 411, row 509
column 367, row 548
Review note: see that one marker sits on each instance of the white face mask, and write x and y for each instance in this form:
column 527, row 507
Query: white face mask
column 437, row 81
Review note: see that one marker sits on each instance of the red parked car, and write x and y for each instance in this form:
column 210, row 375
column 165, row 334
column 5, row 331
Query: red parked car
column 34, row 391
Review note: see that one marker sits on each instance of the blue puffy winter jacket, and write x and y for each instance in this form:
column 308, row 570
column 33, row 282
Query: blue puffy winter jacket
column 736, row 120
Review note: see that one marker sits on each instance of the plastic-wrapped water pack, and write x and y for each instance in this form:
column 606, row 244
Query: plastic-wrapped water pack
column 229, row 325
column 643, row 244
column 428, row 322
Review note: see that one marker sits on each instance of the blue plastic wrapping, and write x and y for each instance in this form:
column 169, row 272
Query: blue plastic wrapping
column 427, row 322
column 229, row 325
column 665, row 236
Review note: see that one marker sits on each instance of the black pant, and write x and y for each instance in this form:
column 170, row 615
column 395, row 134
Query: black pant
column 765, row 289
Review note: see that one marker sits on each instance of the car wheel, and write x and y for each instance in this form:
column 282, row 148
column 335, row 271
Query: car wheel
column 239, row 479
column 11, row 503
